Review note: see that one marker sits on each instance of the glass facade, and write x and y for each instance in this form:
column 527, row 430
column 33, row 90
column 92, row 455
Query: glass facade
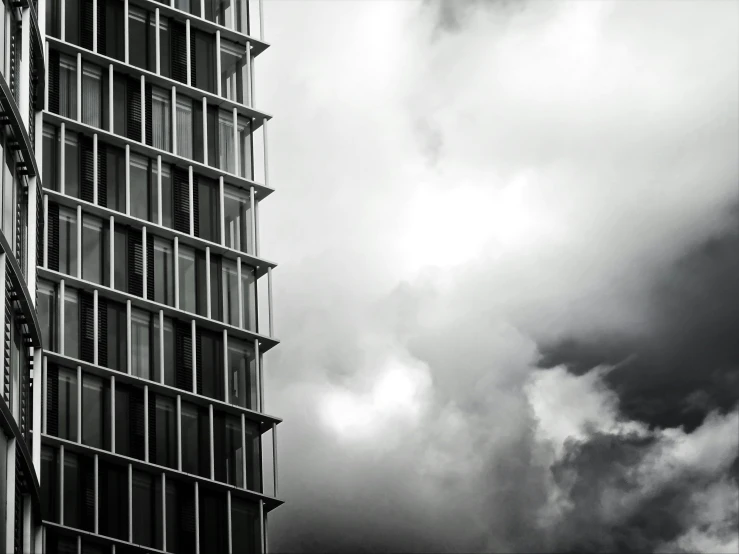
column 148, row 279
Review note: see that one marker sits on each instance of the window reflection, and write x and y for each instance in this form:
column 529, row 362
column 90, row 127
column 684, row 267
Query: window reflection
column 241, row 374
column 68, row 402
column 233, row 71
column 95, row 411
column 237, row 219
column 141, row 340
column 195, row 435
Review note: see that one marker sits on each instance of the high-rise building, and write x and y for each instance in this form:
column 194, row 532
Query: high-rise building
column 137, row 306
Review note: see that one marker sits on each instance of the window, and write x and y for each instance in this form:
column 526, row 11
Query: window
column 168, row 344
column 68, row 401
column 195, row 437
column 129, row 421
column 68, row 241
column 187, row 278
column 53, row 18
column 110, row 29
column 210, row 363
column 72, row 21
column 147, row 509
column 79, row 495
column 245, row 526
column 167, row 208
column 249, row 297
column 226, row 161
column 142, row 47
column 92, row 102
column 213, row 520
column 203, row 62
column 208, row 221
column 228, row 450
column 242, row 370
column 94, row 250
column 50, row 479
column 71, row 324
column 140, row 205
column 181, row 517
column 163, row 272
column 161, row 117
column 67, row 86
column 120, row 248
column 165, row 432
column 184, row 127
column 47, row 313
column 95, row 411
column 51, row 144
column 115, row 162
column 112, row 353
column 71, row 165
column 141, row 343
column 233, row 71
column 243, row 135
column 113, row 494
column 253, row 444
column 230, row 288
column 237, row 219
column 165, row 57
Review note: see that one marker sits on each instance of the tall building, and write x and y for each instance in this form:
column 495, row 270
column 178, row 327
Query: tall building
column 137, row 306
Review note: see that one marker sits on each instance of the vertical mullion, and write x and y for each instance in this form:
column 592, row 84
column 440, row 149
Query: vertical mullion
column 126, row 34
column 97, row 492
column 79, row 242
column 179, row 432
column 247, row 93
column 260, row 403
column 143, row 110
column 46, row 76
column 191, row 195
column 274, row 457
column 111, row 261
column 164, row 511
column 197, row 519
column 46, row 234
column 145, row 261
column 159, row 186
column 95, row 26
column 62, row 309
column 128, row 179
column 222, row 216
column 146, row 423
column 112, row 413
column 208, row 307
column 227, row 395
column 256, row 226
column 269, row 303
column 218, row 64
column 260, row 368
column 111, row 109
column 261, row 526
column 79, row 404
column 61, row 483
column 96, row 323
column 240, row 292
column 188, row 53
column 264, row 151
column 237, row 157
column 243, row 449
column 95, row 168
column 79, row 87
column 45, row 395
column 212, row 452
column 194, row 358
column 161, row 346
column 253, row 201
column 205, row 131
column 176, row 273
column 128, row 336
column 228, row 512
column 62, row 158
column 174, row 120
column 130, row 502
column 158, row 42
column 261, row 20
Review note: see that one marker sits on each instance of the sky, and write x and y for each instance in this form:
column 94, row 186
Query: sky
column 507, row 238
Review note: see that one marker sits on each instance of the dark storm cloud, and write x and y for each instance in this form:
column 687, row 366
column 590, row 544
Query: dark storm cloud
column 685, row 363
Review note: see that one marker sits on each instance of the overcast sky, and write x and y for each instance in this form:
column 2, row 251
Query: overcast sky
column 508, row 241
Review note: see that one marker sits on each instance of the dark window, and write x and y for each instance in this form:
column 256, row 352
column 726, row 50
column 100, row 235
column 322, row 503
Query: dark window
column 183, row 356
column 120, row 258
column 92, row 95
column 127, row 106
column 58, row 543
column 163, row 433
column 216, row 289
column 53, row 16
column 203, row 62
column 238, row 219
column 79, row 491
column 213, row 520
column 165, row 59
column 209, row 363
column 178, row 50
column 72, row 21
column 50, row 479
column 167, row 199
column 181, row 518
column 147, row 509
column 186, row 269
column 141, row 343
column 129, row 423
column 207, row 209
column 141, row 51
column 253, row 444
column 111, row 29
column 228, row 452
column 113, row 494
column 51, row 157
column 112, row 334
column 71, row 164
column 141, row 196
column 245, row 526
column 163, row 271
column 195, row 440
column 241, row 374
column 115, row 182
column 47, row 311
column 95, row 411
column 71, row 323
column 95, row 242
column 63, row 402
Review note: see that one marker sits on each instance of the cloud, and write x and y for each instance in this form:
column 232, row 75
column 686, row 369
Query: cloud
column 550, row 186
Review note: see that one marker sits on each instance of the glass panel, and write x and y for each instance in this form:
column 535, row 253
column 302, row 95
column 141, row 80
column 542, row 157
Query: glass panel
column 230, row 288
column 195, row 440
column 53, row 18
column 205, row 61
column 68, row 241
column 237, row 219
column 120, row 247
column 228, row 449
column 233, row 71
column 51, row 147
column 68, row 86
column 163, row 272
column 72, row 21
column 116, row 178
column 122, row 420
column 165, row 58
column 169, row 353
column 253, row 441
column 167, row 206
column 68, row 402
column 113, row 494
column 208, row 209
column 216, row 295
column 71, row 324
column 244, row 526
column 120, row 104
column 95, row 400
column 47, row 314
column 187, row 278
column 140, row 187
column 91, row 95
column 184, row 127
column 161, row 116
column 141, row 343
column 116, row 337
column 50, row 479
column 71, row 490
column 138, row 50
column 224, row 12
column 242, row 378
column 249, row 296
column 147, row 509
column 226, row 142
column 213, row 520
column 71, row 165
column 211, row 345
column 166, row 432
column 93, row 250
column 113, row 38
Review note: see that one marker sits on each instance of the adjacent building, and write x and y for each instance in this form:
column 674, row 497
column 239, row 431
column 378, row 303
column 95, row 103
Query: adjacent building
column 137, row 305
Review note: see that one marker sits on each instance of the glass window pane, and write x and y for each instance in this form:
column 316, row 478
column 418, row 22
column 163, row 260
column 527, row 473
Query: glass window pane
column 161, row 115
column 233, row 71
column 71, row 324
column 141, row 343
column 228, row 449
column 138, row 50
column 116, row 337
column 71, row 165
column 213, row 520
column 115, row 178
column 51, row 159
column 241, row 374
column 68, row 402
column 140, row 187
column 72, row 21
column 147, row 510
column 205, row 61
column 163, row 272
column 165, row 62
column 169, row 353
column 68, row 86
column 93, row 261
column 122, row 420
column 120, row 247
column 50, row 479
column 249, row 296
column 195, row 435
column 237, row 219
column 165, row 432
column 246, row 169
column 68, row 241
column 253, row 440
column 167, row 205
column 226, row 142
column 91, row 95
column 113, row 494
column 184, row 127
column 245, row 526
column 230, row 289
column 95, row 406
column 47, row 313
column 187, row 278
column 211, row 375
column 208, row 209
